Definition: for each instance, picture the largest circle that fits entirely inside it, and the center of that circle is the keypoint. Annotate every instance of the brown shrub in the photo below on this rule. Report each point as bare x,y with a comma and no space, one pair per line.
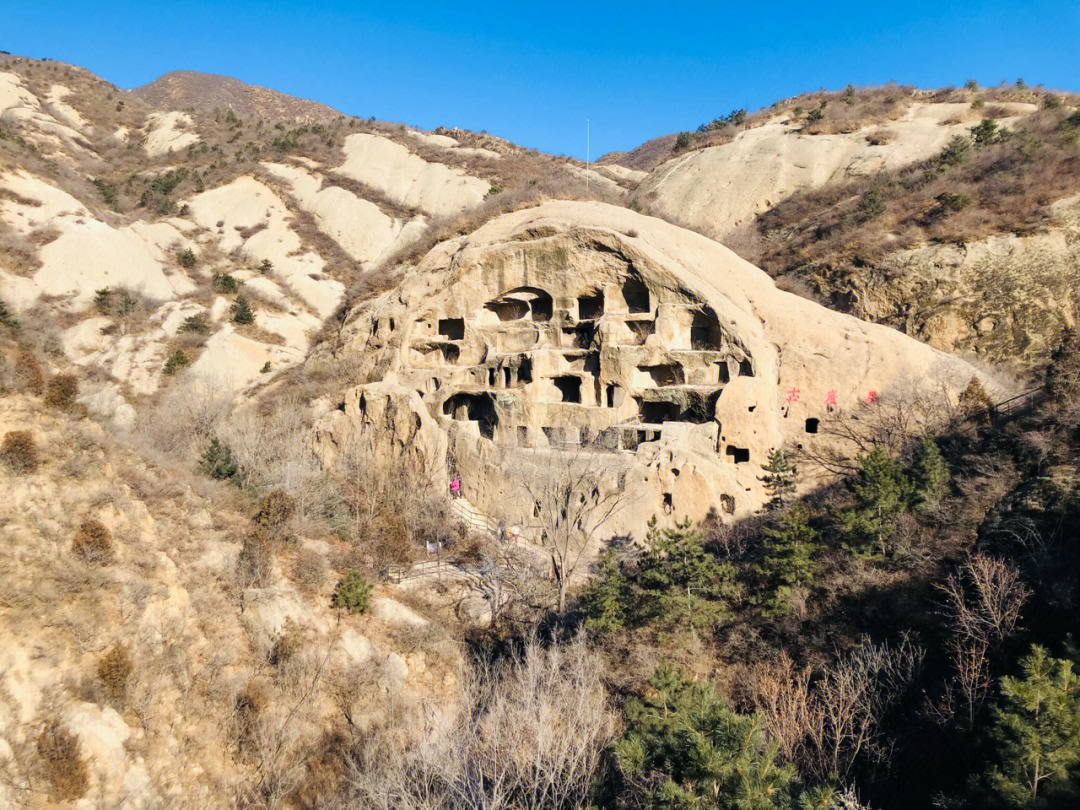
286,645
114,672
61,391
250,702
19,451
275,510
255,564
309,569
880,137
62,761
93,543
29,374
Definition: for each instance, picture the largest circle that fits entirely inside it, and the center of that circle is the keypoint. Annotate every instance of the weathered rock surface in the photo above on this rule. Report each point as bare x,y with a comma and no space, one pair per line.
583,324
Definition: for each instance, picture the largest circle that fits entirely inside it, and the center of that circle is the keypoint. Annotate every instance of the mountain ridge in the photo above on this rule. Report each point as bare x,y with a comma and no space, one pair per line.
190,89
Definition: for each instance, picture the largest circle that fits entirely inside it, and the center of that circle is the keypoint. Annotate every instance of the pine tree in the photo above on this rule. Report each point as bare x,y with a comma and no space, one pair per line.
787,565
930,474
683,585
606,598
780,478
974,401
695,753
1037,727
241,311
218,461
881,493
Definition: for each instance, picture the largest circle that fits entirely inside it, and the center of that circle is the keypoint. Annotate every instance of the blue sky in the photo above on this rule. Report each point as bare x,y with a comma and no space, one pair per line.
534,72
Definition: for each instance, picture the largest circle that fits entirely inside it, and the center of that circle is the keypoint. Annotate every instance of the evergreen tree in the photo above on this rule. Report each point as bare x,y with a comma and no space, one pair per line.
974,401
930,474
241,311
780,478
607,596
882,492
682,584
695,753
218,462
787,564
1037,728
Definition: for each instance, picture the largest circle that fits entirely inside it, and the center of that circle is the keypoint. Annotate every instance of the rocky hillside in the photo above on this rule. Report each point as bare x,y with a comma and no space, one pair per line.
190,90
307,422
160,239
900,206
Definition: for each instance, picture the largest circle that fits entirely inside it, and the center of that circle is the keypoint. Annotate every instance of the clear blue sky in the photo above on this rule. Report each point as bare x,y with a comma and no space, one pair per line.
533,72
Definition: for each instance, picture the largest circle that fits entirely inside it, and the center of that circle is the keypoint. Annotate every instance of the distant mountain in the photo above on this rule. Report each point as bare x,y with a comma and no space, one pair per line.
188,89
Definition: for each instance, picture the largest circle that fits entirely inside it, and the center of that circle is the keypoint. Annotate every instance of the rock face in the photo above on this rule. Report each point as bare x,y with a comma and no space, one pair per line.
582,325
1006,298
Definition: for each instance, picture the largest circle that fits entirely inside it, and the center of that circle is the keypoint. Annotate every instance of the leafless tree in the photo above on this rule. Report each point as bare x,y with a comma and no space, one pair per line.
982,604
528,733
889,422
574,494
824,721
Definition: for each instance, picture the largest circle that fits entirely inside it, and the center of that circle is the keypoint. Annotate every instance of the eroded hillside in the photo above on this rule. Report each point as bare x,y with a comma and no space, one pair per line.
900,206
213,238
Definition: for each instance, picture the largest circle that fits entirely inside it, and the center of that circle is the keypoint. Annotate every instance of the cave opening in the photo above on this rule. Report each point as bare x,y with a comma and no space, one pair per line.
636,295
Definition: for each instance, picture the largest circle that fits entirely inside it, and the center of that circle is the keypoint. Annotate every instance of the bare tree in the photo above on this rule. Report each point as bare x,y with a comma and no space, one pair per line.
982,604
887,422
824,721
574,496
528,733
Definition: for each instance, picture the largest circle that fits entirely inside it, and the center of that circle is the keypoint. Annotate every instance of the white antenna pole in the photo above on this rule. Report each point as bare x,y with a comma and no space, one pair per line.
588,133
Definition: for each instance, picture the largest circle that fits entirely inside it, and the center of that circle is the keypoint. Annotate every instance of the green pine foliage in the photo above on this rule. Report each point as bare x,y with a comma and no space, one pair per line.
241,311
881,492
353,593
224,282
218,462
177,360
930,475
607,599
197,324
677,585
186,258
780,477
1037,735
687,749
681,585
787,564
6,318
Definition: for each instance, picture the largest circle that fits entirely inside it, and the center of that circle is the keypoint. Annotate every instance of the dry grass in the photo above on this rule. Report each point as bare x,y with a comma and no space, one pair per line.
827,112
1010,186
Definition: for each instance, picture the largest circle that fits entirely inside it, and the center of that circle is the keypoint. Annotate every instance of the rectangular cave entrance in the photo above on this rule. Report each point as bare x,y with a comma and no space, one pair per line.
569,388
452,328
591,306
479,408
694,407
665,373
704,330
738,455
636,295
655,412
